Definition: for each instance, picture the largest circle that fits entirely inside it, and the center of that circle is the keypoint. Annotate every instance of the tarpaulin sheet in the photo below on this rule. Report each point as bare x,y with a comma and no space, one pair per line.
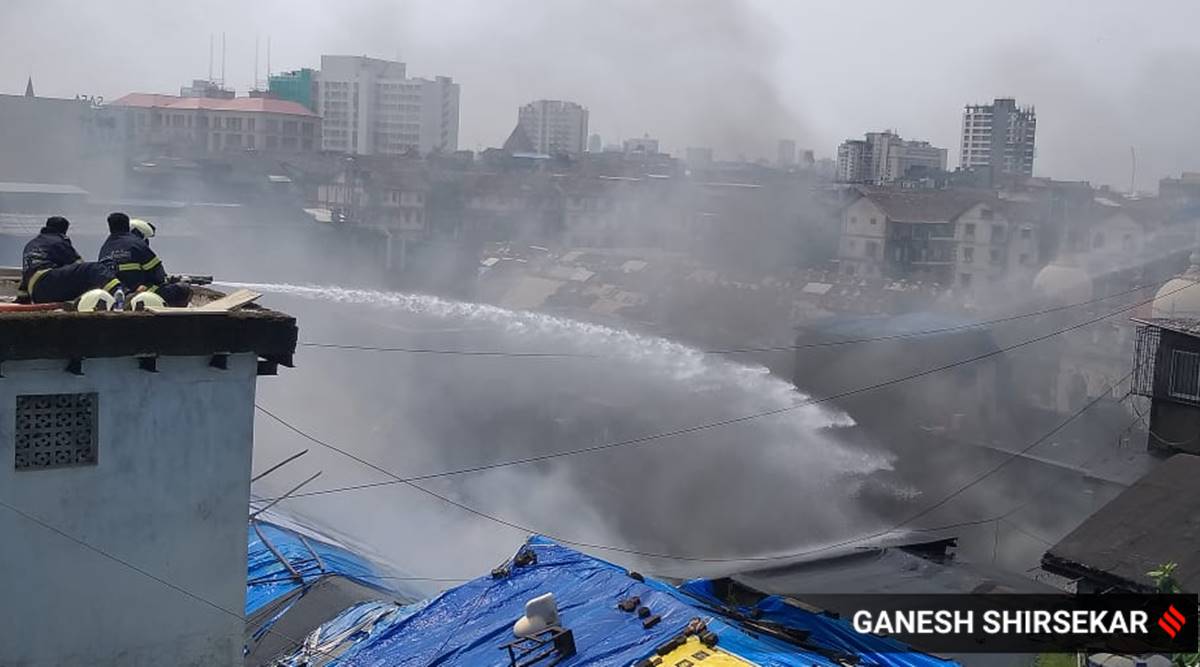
267,579
827,632
469,624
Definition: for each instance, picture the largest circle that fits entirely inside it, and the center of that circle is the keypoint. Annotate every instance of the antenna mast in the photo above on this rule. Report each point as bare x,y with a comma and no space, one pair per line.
222,60
1132,169
210,56
256,62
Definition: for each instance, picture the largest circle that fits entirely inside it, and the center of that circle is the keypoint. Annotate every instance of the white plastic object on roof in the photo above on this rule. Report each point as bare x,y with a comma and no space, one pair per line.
540,613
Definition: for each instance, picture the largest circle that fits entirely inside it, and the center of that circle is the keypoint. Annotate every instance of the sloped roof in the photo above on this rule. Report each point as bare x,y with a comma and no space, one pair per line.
471,623
1155,521
936,206
242,104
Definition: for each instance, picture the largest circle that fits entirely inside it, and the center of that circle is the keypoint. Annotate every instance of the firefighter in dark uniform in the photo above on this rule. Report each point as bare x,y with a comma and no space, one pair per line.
52,271
136,265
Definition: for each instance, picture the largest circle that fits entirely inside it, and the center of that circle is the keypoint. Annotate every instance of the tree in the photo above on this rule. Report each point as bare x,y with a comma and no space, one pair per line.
1164,582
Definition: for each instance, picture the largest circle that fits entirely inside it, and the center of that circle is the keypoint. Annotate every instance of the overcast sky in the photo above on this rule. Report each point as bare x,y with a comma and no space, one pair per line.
1104,75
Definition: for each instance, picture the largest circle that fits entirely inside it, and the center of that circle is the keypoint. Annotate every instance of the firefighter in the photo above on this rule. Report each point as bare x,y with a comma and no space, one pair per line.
52,271
128,254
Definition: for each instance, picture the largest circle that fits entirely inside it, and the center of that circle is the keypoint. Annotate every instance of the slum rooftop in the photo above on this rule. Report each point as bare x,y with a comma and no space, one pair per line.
61,334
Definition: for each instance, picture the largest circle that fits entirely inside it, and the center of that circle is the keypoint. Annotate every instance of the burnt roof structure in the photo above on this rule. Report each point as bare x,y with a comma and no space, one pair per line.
1155,521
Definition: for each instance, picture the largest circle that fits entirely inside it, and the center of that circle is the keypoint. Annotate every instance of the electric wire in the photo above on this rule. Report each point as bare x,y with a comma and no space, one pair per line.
143,572
695,428
745,559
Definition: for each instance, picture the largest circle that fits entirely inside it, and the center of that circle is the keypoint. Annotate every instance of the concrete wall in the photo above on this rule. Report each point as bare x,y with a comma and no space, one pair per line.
168,495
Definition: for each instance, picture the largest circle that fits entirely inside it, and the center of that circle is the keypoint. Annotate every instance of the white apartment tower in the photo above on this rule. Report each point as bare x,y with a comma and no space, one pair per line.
1000,136
883,158
555,126
369,106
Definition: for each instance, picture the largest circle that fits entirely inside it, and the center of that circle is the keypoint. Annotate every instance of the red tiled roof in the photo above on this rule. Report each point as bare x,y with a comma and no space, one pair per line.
243,104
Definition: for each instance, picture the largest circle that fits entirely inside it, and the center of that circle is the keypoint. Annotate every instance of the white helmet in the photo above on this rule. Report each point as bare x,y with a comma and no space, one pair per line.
142,228
145,301
94,300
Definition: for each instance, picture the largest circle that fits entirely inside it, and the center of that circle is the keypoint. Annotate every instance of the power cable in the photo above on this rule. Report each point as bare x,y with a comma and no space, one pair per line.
778,557
696,428
143,572
738,350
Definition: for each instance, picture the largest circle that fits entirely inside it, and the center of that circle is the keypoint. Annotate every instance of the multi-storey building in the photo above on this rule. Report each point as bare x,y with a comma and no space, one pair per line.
956,239
555,127
999,136
883,158
182,125
369,106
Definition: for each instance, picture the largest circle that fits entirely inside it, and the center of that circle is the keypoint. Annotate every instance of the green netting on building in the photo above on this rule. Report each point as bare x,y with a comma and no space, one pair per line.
297,86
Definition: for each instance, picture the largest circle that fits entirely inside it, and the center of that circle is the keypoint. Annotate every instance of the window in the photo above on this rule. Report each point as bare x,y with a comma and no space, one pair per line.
872,249
1185,375
1026,233
55,431
997,233
969,230
1023,260
994,256
964,279
873,221
986,213
853,220
1098,240
968,255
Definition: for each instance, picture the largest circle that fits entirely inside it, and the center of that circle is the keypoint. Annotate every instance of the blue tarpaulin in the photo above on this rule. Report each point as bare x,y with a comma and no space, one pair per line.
267,579
469,624
825,631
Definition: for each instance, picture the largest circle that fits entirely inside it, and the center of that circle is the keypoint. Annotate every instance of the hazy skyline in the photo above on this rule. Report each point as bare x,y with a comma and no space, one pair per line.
736,76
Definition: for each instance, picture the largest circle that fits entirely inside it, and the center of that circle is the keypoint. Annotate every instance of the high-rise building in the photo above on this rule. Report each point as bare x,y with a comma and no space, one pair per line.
369,106
999,136
787,153
595,144
299,86
555,127
883,157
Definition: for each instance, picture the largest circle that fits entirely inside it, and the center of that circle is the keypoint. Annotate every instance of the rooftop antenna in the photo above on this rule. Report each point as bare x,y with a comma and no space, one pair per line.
1132,169
256,62
222,60
268,61
210,56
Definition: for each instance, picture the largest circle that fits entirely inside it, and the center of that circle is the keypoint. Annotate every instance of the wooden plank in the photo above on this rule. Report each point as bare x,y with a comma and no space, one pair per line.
229,302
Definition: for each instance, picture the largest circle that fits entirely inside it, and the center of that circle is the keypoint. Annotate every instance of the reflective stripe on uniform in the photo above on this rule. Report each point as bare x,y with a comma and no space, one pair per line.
153,289
129,266
111,285
36,277
151,264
